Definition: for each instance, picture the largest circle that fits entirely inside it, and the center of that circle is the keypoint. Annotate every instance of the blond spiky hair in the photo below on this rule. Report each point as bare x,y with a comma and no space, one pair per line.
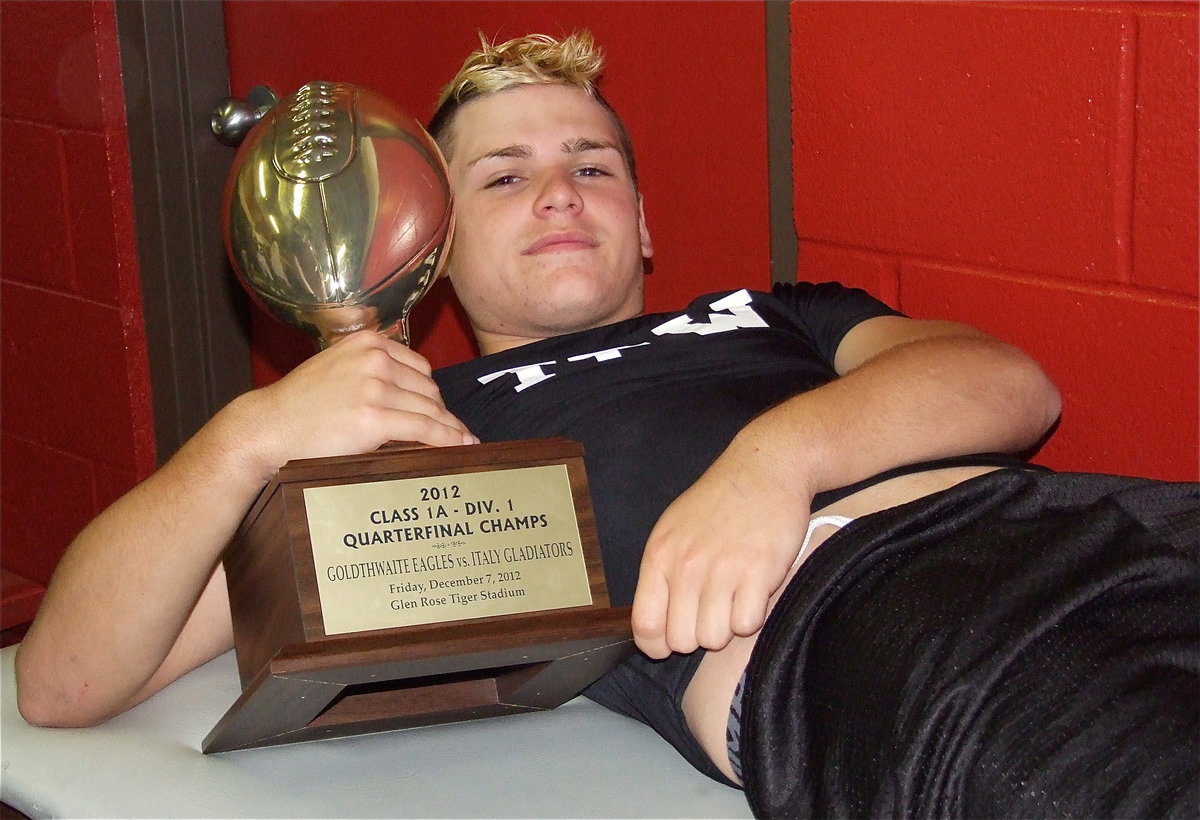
535,58
575,60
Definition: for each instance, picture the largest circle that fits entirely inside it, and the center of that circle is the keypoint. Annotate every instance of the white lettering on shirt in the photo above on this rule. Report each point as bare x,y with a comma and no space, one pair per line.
527,375
740,315
606,355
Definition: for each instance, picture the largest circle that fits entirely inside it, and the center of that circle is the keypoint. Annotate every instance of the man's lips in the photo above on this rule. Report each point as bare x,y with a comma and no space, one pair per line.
561,241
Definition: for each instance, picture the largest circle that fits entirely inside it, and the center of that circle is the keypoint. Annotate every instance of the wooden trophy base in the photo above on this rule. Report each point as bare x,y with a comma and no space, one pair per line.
439,675
523,547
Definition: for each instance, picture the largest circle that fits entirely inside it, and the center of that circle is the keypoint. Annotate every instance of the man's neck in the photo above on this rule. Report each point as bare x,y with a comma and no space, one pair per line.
494,342
498,342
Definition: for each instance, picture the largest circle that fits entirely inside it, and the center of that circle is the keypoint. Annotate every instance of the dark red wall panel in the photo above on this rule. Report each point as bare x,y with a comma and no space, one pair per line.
34,223
35,532
90,214
1165,229
62,406
50,69
76,424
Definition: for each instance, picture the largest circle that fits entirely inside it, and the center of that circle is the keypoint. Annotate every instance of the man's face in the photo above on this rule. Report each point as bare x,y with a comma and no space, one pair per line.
550,236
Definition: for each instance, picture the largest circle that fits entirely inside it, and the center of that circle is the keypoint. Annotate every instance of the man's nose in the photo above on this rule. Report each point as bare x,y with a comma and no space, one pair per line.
557,193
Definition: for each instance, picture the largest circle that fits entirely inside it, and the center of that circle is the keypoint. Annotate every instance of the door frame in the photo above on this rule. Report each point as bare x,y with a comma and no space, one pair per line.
174,69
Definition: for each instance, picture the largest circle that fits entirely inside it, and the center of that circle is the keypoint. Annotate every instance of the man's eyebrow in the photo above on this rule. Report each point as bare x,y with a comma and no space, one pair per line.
571,146
507,152
581,144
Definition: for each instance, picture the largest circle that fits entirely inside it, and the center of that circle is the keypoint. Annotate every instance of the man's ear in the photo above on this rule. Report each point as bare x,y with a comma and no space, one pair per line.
643,232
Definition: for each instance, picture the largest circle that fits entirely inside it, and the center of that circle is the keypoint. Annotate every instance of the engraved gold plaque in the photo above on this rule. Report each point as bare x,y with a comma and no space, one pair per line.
431,550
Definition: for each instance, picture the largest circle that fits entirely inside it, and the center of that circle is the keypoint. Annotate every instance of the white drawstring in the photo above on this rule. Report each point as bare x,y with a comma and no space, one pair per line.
838,521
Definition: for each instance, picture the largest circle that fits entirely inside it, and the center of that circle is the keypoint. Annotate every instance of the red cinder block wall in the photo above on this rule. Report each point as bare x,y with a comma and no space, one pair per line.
1030,169
76,429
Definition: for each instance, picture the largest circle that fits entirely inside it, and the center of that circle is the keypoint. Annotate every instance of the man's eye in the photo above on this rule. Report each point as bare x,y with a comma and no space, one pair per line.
502,181
592,171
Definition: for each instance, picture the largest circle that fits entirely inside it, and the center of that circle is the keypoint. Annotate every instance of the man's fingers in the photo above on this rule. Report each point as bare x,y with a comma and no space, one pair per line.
432,431
405,355
397,383
363,391
683,607
676,612
682,611
712,625
649,616
748,611
409,403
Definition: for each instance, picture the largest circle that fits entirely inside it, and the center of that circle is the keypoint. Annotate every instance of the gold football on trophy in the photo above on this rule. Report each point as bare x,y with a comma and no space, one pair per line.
337,212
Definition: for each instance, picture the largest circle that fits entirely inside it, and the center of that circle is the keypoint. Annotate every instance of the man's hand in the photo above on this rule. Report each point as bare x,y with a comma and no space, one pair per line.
717,555
360,393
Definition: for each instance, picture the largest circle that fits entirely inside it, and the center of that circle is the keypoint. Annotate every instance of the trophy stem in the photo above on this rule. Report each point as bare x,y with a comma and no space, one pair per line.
326,334
398,331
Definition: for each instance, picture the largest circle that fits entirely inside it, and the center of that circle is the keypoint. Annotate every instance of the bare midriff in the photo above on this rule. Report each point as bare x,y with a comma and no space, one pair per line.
709,695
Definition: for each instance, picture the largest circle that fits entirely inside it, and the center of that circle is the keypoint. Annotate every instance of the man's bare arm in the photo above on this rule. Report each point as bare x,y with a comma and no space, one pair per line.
138,599
910,391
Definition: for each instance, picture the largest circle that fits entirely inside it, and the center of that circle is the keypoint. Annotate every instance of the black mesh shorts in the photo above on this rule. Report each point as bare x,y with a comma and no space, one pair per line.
1021,645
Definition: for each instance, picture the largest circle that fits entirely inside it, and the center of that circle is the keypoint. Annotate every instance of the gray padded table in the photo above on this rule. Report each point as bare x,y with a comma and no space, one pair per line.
579,760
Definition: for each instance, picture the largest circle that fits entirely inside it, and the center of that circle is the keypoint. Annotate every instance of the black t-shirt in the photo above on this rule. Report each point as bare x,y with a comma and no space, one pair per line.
656,399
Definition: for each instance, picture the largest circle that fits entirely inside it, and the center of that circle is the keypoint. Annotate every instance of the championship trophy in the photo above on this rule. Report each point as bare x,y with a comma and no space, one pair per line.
412,585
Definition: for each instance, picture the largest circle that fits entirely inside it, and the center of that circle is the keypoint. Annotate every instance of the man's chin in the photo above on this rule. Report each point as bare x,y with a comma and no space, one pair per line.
568,311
